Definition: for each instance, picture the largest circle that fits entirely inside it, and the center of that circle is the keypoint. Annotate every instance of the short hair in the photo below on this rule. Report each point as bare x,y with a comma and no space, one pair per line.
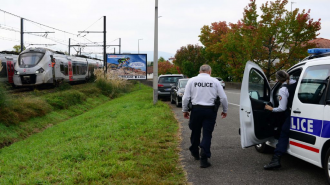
282,76
205,68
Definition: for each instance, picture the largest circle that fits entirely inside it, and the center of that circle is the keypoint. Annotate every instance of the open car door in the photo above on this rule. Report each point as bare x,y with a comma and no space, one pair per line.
255,121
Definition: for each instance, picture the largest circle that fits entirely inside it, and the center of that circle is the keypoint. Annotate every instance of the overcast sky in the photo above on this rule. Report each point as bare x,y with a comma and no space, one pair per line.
130,20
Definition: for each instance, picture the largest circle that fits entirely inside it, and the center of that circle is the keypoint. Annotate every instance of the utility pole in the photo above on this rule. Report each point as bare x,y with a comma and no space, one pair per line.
155,67
69,45
22,34
291,5
105,44
119,45
22,37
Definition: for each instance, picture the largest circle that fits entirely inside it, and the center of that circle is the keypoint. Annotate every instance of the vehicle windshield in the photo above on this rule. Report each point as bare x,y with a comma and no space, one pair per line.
183,83
169,79
27,60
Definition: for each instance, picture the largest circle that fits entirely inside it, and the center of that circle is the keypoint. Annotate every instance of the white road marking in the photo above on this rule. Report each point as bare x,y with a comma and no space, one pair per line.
232,92
233,104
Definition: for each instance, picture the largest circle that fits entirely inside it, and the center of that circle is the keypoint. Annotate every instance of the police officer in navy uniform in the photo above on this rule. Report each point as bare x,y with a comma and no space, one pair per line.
202,90
285,97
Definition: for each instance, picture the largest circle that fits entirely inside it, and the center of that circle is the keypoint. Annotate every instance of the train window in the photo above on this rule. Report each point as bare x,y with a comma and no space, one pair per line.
74,68
64,69
27,60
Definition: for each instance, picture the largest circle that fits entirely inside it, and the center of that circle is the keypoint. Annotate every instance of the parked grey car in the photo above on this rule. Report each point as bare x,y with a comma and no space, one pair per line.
178,91
165,82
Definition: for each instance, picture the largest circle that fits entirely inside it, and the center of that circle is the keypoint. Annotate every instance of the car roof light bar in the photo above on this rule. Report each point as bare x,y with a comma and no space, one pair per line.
318,50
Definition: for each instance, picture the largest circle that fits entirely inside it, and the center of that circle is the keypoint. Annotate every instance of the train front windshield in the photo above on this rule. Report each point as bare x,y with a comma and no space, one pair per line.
27,60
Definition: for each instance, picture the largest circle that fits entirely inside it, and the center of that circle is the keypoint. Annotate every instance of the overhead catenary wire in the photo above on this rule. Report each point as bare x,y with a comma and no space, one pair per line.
46,36
89,26
37,22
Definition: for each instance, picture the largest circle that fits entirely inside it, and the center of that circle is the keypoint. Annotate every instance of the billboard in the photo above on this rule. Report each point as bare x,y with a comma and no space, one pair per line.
128,66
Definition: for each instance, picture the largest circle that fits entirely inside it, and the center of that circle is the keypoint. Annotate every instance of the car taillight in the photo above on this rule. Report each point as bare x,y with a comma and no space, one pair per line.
160,85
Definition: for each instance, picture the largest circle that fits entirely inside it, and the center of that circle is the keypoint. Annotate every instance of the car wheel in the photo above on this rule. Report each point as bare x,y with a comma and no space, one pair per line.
264,148
172,100
326,165
177,102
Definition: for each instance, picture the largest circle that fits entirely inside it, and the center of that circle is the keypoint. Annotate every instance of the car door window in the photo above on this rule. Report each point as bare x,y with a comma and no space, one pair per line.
313,84
256,85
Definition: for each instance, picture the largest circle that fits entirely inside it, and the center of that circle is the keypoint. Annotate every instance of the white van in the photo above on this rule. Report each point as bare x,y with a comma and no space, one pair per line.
310,113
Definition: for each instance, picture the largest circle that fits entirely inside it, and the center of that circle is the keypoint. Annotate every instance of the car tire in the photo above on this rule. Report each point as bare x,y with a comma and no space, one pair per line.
264,148
326,165
172,101
177,102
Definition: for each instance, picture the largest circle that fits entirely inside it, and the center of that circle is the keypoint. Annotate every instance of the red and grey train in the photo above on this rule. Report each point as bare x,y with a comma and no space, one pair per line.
34,67
8,60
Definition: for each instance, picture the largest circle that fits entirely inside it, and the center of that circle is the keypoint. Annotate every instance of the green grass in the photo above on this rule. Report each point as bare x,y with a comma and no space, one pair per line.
125,141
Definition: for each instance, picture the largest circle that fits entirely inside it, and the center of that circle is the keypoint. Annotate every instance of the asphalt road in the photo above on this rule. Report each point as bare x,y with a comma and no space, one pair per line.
233,165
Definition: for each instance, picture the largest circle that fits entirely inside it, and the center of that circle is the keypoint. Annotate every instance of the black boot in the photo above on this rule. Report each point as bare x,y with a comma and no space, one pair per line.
204,161
274,163
195,154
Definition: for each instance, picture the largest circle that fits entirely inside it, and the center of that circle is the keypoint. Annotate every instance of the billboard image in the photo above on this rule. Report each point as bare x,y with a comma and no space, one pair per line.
128,66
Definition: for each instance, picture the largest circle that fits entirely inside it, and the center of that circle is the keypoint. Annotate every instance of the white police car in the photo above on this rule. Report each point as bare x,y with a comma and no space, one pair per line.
310,113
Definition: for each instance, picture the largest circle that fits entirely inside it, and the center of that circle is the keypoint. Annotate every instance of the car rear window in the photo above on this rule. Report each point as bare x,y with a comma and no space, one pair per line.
169,79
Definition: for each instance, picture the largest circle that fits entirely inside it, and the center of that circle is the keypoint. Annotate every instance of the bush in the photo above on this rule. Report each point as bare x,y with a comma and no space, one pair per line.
64,86
65,99
105,87
111,84
3,96
23,109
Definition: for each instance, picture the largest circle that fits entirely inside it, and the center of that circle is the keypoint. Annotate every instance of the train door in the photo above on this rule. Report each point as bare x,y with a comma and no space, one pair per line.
70,71
10,70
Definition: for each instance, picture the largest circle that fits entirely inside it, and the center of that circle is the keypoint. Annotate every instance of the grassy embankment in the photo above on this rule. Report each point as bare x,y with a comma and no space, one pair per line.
124,141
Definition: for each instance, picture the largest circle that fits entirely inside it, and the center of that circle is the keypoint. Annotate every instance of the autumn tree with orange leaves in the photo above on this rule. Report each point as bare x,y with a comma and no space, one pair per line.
275,40
211,37
165,67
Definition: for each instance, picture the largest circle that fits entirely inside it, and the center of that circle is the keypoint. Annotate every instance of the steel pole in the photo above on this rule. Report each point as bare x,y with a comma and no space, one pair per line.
69,45
105,45
155,67
22,37
119,45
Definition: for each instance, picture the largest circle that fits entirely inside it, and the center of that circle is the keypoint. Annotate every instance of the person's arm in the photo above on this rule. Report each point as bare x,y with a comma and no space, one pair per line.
283,95
223,98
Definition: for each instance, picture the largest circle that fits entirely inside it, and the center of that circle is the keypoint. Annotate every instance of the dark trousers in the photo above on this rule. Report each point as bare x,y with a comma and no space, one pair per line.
283,140
202,118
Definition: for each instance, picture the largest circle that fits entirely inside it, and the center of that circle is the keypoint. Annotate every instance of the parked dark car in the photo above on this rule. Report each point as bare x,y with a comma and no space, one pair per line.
165,82
178,91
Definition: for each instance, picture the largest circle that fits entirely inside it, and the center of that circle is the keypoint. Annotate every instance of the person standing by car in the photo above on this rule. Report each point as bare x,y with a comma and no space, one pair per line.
202,91
285,97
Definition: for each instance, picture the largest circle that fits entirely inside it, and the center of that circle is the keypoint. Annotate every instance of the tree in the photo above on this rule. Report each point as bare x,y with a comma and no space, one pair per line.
280,38
161,59
189,58
276,40
1,66
211,38
167,68
17,48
